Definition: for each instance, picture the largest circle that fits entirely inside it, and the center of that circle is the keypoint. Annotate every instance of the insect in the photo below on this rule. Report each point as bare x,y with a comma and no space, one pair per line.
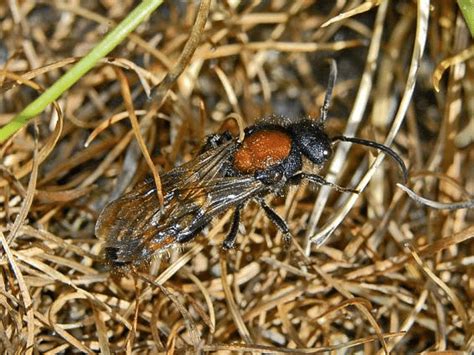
225,175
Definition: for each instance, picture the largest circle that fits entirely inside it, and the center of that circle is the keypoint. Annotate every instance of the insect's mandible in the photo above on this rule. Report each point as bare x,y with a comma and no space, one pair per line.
226,175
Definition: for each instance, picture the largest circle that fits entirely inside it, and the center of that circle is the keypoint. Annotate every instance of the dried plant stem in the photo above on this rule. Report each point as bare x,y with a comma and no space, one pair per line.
27,301
436,204
237,317
353,123
420,41
396,274
136,129
161,89
115,37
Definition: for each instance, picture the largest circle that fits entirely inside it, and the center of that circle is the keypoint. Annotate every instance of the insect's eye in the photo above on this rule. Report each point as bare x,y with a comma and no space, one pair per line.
321,150
312,141
316,147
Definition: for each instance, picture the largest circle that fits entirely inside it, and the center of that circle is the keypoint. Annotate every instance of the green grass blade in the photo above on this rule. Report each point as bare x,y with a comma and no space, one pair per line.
113,38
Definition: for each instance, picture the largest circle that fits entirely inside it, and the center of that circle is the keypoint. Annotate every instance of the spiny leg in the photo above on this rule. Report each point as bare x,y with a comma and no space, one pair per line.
321,181
276,220
229,240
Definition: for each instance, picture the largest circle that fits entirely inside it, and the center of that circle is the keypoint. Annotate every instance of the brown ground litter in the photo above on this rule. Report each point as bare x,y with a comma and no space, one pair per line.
381,273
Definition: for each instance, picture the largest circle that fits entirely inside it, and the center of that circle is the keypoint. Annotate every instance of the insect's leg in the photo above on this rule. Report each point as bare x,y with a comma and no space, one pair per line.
277,220
188,233
229,240
321,181
215,140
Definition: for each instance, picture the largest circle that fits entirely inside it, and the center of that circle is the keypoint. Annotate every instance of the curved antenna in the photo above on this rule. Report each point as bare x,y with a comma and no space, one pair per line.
379,146
328,96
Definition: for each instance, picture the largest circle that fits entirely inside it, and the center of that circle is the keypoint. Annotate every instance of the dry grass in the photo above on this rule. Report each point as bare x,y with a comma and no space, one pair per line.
392,275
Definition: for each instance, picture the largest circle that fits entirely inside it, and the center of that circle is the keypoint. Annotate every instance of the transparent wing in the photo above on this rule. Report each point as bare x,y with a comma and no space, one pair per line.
194,193
211,198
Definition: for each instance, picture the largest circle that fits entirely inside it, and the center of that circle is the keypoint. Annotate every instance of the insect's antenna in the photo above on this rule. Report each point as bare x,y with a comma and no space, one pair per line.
328,96
382,147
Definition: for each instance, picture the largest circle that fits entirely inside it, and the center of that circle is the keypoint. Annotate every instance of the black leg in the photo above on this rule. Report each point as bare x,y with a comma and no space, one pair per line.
320,181
229,240
277,220
215,140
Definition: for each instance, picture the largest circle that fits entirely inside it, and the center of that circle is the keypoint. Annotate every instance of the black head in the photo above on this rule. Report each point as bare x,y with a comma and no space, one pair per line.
309,135
315,144
311,140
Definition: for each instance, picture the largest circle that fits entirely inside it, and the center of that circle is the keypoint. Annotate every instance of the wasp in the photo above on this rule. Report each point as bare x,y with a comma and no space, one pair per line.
226,175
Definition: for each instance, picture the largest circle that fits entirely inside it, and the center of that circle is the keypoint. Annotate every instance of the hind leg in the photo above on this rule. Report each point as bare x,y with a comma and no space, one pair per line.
277,221
229,241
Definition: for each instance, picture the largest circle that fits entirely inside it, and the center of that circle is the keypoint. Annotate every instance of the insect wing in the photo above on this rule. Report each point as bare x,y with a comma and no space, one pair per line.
202,168
136,213
216,196
129,213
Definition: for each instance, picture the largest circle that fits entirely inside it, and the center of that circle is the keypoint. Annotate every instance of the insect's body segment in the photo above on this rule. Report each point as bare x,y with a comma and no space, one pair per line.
225,175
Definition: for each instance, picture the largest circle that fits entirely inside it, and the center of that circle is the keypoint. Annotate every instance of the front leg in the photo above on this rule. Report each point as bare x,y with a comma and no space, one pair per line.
321,181
276,220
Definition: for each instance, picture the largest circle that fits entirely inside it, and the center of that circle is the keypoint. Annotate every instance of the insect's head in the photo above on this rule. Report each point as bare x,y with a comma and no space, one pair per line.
322,143
312,141
309,135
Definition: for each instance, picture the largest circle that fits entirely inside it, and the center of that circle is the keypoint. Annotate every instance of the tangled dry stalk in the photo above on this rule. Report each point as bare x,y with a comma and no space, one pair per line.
374,272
